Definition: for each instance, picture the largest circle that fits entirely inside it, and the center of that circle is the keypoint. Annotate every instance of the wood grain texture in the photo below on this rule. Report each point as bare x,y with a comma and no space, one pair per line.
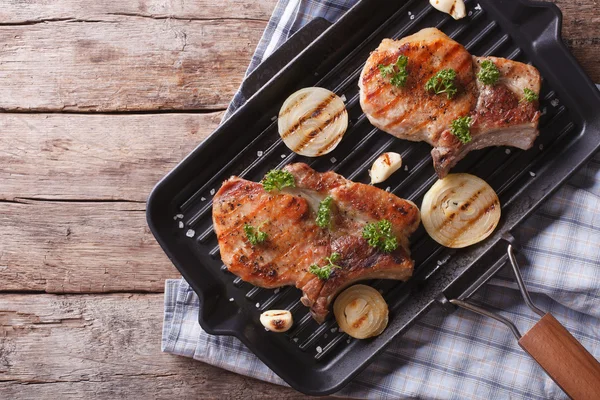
104,346
66,247
124,63
567,362
94,157
32,11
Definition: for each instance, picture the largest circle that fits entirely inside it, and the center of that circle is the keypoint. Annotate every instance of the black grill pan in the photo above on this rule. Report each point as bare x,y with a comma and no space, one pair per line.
318,359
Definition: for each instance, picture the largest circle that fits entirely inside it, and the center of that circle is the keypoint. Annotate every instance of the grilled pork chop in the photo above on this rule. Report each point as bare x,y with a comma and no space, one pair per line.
295,242
500,117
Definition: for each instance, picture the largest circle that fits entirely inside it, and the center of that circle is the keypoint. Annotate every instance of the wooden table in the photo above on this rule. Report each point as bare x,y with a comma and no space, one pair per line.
100,99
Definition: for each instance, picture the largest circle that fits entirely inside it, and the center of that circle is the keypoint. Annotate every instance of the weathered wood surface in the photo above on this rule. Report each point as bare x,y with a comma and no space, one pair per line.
61,247
72,187
104,346
94,157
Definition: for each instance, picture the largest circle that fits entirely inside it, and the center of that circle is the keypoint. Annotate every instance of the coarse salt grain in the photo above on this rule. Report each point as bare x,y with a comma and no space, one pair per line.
555,102
531,173
478,7
541,147
257,305
202,198
388,189
295,339
507,151
190,233
348,341
343,97
276,291
470,13
231,299
259,153
333,160
212,192
319,349
179,216
412,17
273,118
180,224
409,13
333,330
283,156
406,167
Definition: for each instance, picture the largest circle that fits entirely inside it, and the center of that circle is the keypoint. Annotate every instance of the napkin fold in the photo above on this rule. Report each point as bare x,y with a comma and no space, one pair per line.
462,355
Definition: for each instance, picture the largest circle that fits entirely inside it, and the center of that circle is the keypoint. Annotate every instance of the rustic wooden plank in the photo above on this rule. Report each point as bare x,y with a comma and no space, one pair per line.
94,157
104,346
124,63
19,12
78,247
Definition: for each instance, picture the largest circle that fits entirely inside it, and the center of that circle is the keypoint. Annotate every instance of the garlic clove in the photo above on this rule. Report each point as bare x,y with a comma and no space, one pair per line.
277,320
385,165
456,8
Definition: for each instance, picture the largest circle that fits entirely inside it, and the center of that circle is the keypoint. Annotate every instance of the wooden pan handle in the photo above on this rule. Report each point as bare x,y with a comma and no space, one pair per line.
567,362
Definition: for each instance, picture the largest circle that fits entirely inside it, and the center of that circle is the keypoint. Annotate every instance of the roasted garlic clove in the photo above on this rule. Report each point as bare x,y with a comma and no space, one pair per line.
385,165
456,8
277,320
361,312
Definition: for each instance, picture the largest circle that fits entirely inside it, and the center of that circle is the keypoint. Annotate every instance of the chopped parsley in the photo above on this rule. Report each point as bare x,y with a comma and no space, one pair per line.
397,72
379,235
488,73
530,95
254,235
277,179
461,128
324,214
325,271
443,82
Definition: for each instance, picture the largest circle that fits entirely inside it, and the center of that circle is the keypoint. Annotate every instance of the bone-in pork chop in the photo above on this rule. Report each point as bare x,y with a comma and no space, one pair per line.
499,114
295,242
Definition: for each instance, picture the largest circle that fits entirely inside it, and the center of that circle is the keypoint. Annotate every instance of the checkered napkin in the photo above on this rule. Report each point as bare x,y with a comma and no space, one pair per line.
454,356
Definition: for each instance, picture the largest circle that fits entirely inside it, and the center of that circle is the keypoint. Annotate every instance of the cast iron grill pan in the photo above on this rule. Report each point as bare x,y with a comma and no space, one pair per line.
318,359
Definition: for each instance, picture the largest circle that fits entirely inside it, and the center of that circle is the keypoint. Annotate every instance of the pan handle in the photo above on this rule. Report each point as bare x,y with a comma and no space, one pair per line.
549,343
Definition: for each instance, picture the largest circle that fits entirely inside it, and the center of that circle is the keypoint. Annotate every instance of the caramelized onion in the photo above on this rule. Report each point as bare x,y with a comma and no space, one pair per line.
460,210
361,312
312,121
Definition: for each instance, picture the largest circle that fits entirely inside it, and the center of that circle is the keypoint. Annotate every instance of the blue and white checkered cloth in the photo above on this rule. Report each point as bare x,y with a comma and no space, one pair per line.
461,355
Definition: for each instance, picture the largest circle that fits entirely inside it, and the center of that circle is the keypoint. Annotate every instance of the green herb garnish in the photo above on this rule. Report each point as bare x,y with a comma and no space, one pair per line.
380,235
325,271
530,95
254,235
324,214
443,82
277,179
461,128
488,73
397,71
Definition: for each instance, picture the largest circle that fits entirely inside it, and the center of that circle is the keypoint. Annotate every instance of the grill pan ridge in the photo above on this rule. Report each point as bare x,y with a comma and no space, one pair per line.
319,359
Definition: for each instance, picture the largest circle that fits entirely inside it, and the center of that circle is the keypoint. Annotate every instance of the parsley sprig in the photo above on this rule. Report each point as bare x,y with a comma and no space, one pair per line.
461,128
324,213
254,235
397,72
325,271
379,235
488,73
443,82
530,95
277,179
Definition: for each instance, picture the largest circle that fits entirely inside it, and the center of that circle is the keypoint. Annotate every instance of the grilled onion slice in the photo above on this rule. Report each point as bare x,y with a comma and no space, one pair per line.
312,121
460,210
361,312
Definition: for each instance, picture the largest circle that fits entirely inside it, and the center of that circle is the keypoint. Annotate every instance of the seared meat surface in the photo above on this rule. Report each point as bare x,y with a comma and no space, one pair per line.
295,242
500,117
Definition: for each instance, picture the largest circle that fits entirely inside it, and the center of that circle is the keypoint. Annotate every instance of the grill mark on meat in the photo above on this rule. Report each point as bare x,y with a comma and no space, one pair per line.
312,134
314,113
